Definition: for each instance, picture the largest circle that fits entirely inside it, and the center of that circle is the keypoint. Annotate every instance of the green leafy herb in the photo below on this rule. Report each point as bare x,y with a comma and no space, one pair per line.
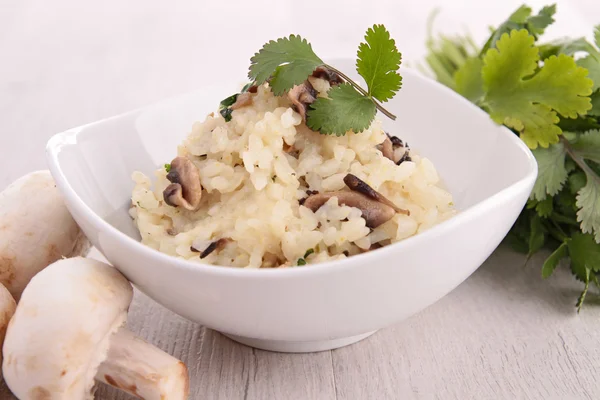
377,62
525,104
301,261
468,80
288,61
168,168
522,19
345,109
308,252
551,171
228,101
537,236
224,106
552,101
545,207
588,202
552,261
226,113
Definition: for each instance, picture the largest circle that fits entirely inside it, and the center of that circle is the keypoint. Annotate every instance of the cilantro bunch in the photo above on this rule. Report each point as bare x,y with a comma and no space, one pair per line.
289,61
549,95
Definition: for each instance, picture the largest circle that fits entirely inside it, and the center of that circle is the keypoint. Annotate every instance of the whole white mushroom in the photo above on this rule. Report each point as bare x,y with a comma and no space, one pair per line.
36,229
7,309
67,330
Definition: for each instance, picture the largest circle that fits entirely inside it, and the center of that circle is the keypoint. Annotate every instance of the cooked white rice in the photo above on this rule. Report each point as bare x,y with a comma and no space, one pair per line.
252,189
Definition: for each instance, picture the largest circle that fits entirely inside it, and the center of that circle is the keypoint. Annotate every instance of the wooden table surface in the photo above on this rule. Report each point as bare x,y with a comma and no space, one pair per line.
503,334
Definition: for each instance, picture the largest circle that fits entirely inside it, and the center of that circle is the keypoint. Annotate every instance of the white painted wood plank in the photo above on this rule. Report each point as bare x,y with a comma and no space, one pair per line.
503,334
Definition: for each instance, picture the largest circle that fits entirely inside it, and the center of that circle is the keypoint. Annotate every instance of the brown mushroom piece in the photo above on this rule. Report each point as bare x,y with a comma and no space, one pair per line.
270,260
391,149
185,189
374,212
243,100
301,97
358,185
330,76
217,245
387,149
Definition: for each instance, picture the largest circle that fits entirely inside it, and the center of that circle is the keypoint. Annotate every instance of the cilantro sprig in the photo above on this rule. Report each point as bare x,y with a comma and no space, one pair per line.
288,61
549,95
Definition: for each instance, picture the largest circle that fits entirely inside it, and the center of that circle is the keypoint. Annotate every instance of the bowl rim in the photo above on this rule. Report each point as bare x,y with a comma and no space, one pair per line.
59,140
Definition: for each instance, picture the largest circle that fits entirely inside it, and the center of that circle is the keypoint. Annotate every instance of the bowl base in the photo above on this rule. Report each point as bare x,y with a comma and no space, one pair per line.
283,346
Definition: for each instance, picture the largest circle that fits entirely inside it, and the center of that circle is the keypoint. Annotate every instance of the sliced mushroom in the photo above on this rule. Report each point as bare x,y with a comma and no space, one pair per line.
394,149
243,100
217,245
291,150
358,185
185,189
387,149
325,73
374,212
270,260
301,97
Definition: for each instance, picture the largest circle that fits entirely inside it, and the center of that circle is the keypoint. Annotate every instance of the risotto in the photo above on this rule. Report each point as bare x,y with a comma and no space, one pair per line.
252,186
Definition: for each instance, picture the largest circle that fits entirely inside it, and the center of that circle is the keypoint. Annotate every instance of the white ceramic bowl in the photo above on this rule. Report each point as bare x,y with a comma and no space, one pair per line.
487,168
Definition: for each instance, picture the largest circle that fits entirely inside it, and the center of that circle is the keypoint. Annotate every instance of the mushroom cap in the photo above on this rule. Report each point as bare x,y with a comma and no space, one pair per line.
7,309
185,189
374,212
60,332
36,229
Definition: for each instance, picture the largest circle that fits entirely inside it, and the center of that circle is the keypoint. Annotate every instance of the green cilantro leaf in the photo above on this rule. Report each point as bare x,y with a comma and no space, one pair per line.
588,202
584,253
377,62
168,168
577,181
595,104
301,261
468,81
597,35
537,236
587,146
345,109
530,105
552,261
581,124
518,237
593,66
538,23
292,58
545,207
520,15
568,47
551,171
522,19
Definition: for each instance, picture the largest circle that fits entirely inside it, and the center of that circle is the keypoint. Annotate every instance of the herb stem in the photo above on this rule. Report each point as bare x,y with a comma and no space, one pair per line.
579,160
558,217
362,91
555,233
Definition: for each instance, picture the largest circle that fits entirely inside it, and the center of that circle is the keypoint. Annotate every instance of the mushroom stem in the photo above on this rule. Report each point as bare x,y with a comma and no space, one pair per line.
143,370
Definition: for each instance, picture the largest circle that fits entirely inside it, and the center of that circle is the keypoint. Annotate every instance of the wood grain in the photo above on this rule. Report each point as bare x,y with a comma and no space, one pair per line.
503,334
